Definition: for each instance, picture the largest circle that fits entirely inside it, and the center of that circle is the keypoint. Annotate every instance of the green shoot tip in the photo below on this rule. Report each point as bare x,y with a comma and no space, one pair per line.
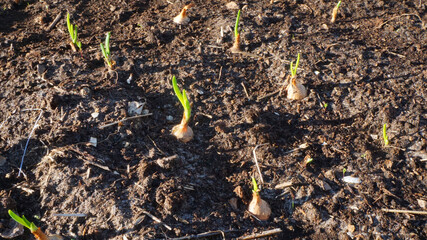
236,27
255,186
385,137
294,70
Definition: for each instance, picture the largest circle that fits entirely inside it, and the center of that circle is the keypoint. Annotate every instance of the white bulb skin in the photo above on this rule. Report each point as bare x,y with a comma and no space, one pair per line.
259,207
296,91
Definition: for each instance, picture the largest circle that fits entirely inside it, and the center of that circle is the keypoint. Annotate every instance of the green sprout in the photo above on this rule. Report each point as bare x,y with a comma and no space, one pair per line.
335,12
294,70
23,221
255,186
106,50
236,27
385,137
344,170
72,29
338,4
309,160
182,97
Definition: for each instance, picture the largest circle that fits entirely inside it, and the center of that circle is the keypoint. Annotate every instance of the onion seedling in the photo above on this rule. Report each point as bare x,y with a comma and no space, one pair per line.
258,206
72,29
385,137
106,51
30,225
236,46
182,18
296,91
335,12
182,131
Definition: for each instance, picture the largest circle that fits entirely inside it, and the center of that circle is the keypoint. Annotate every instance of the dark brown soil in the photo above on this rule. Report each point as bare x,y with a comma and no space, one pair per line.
367,69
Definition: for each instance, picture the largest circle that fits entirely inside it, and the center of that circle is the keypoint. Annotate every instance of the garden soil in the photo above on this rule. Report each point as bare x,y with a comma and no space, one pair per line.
100,144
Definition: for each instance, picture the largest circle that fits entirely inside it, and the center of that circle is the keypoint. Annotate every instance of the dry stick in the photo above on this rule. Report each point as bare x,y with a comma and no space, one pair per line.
28,140
55,21
124,119
246,91
89,161
156,219
263,234
70,214
404,211
256,162
220,72
406,14
204,235
268,95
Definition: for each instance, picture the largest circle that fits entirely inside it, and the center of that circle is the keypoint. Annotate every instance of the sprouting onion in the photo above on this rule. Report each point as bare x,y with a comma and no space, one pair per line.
296,91
258,207
72,30
236,45
182,131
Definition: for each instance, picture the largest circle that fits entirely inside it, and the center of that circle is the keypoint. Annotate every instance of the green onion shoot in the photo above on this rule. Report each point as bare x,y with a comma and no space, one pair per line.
38,234
385,137
72,29
106,51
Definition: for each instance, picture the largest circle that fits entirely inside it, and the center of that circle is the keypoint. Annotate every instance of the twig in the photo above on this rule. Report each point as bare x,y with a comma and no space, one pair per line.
302,146
404,211
256,162
55,21
70,214
156,219
263,234
154,143
204,235
268,95
220,72
90,160
28,140
406,14
213,46
246,91
124,119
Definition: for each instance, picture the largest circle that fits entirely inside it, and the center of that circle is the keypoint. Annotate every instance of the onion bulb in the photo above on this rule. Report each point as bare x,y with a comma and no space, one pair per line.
182,18
296,91
259,207
236,45
183,132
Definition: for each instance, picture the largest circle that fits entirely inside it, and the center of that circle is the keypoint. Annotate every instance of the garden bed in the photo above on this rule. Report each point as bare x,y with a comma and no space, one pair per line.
365,70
